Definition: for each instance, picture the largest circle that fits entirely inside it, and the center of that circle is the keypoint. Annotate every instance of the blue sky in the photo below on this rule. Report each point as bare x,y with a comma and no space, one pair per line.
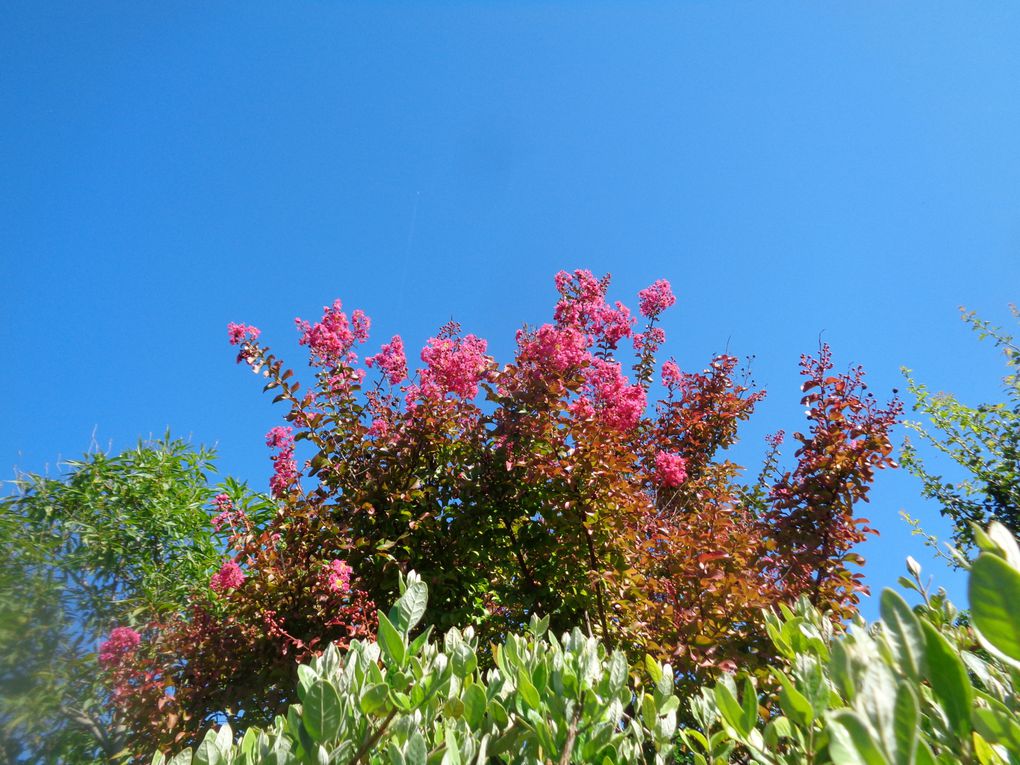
849,170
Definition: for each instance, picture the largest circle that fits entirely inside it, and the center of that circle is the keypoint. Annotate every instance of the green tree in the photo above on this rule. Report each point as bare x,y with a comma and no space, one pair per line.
984,440
116,541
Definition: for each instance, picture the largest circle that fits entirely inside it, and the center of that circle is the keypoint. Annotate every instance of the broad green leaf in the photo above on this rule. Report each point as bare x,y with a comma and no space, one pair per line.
731,709
373,699
862,742
905,724
208,752
391,642
474,705
750,705
617,672
652,668
416,753
527,690
949,681
321,711
905,633
411,606
452,755
994,592
1005,541
998,728
793,702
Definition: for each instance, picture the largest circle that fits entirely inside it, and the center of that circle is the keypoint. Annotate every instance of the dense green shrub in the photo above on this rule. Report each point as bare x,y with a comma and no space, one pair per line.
413,702
920,686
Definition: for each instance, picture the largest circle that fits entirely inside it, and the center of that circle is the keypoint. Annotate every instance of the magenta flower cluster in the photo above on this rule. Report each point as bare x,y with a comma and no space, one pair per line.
121,642
331,339
229,577
242,333
671,469
619,403
655,299
582,305
391,361
552,349
453,365
338,576
225,512
285,471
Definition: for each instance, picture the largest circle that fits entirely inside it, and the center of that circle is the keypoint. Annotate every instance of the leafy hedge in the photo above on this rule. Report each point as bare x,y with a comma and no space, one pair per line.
921,686
414,702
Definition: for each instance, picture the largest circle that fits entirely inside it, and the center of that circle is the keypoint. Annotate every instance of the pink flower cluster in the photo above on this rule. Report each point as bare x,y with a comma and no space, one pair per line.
229,577
619,404
776,439
331,339
582,305
454,365
121,642
655,299
672,377
671,469
649,342
338,576
242,333
284,467
391,360
226,512
551,348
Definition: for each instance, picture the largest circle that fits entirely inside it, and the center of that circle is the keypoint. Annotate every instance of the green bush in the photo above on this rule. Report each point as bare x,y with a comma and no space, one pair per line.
411,702
920,686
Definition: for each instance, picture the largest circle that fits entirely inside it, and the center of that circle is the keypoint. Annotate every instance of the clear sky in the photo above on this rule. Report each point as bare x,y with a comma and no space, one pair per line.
849,170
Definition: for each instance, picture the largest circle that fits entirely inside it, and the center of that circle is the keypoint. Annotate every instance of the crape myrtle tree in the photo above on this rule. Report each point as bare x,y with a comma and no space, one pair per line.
983,440
548,485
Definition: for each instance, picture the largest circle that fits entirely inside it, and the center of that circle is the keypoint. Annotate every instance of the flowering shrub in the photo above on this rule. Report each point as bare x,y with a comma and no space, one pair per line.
560,492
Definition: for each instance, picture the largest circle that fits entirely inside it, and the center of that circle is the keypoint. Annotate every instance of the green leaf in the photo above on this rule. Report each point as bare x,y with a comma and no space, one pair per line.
373,699
794,703
391,642
731,709
858,742
452,755
998,728
994,591
208,752
416,753
750,705
321,711
906,714
949,680
617,673
474,705
652,668
411,606
527,690
905,633
463,660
